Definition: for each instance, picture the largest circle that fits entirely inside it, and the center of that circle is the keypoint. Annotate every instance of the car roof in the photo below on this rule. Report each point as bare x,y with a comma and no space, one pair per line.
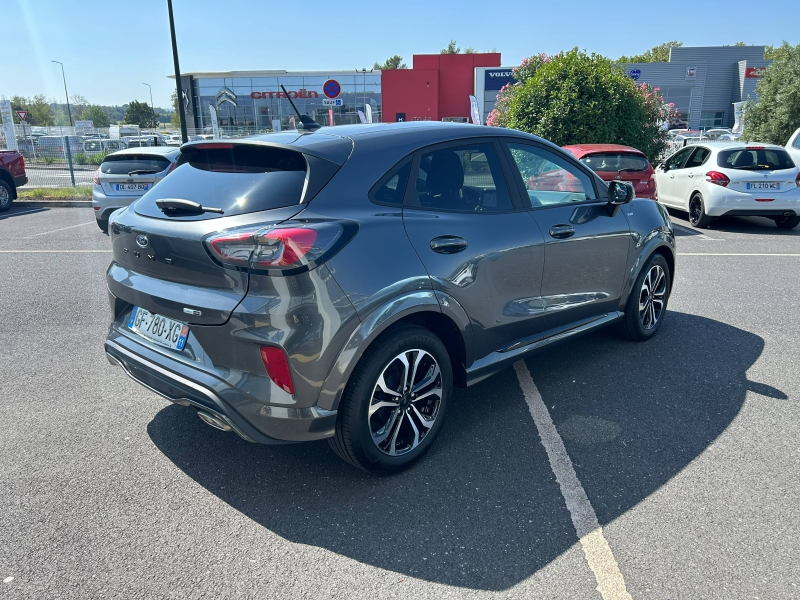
336,143
580,150
736,145
165,150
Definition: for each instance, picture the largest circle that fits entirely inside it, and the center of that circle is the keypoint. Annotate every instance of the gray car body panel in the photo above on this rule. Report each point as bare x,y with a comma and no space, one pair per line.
327,317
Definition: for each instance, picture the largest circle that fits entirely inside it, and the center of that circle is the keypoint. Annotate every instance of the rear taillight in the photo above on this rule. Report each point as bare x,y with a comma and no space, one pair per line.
96,178
797,179
717,178
277,365
22,162
292,247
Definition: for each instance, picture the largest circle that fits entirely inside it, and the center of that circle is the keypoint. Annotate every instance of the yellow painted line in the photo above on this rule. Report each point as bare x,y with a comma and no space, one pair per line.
731,254
596,550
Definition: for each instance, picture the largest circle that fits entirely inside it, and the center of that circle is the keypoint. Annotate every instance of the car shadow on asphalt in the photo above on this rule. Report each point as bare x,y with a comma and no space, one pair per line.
20,211
483,510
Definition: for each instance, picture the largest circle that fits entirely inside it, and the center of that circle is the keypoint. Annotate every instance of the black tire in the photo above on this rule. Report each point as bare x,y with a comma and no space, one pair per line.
787,222
103,225
636,324
697,213
354,440
6,195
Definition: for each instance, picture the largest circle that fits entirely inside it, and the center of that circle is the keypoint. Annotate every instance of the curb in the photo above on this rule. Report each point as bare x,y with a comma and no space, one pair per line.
53,203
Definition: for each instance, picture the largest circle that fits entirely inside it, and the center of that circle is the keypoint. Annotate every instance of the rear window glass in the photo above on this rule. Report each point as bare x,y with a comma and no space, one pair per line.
615,162
122,164
744,159
236,178
391,188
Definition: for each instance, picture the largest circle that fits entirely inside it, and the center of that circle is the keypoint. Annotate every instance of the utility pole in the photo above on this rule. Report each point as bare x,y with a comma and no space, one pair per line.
153,108
181,108
64,77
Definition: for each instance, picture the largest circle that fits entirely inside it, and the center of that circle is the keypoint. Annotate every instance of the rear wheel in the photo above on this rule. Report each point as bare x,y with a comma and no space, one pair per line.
787,222
6,196
103,225
395,401
697,213
647,303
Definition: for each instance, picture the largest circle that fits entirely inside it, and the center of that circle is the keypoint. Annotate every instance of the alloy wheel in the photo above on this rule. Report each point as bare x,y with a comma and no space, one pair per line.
652,297
405,402
695,210
5,198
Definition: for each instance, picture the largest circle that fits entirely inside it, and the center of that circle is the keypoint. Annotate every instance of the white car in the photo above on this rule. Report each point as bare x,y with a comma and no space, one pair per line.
174,140
731,178
793,147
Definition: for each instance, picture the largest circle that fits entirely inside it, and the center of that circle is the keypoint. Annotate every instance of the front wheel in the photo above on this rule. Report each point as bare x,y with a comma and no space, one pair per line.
395,401
647,303
697,213
787,222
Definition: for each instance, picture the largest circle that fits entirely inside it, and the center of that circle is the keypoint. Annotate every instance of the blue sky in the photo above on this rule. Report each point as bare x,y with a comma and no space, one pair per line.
110,47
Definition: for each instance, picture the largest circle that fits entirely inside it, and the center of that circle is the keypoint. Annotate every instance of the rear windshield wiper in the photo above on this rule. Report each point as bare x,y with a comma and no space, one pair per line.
629,170
754,168
175,206
143,172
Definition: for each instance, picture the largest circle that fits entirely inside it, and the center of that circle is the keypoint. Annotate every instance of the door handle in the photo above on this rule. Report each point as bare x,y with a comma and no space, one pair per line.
448,244
562,231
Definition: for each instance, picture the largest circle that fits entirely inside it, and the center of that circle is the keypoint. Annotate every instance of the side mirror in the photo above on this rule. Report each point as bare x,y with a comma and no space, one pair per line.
664,167
619,193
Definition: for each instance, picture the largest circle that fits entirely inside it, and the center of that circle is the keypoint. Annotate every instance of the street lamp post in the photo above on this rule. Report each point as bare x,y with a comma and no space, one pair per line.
153,108
64,77
181,111
364,72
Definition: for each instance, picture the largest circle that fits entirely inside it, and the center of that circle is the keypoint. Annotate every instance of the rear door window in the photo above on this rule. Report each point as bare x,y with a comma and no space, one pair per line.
615,162
123,164
755,159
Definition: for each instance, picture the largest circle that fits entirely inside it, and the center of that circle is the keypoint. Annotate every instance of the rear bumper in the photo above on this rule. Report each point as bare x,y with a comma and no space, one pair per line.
188,386
105,205
722,201
20,181
772,213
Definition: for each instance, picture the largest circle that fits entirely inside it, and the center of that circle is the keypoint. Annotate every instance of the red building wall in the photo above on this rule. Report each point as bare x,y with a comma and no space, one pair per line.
438,86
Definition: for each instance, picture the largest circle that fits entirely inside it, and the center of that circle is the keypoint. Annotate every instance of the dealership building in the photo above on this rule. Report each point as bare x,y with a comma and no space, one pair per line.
702,82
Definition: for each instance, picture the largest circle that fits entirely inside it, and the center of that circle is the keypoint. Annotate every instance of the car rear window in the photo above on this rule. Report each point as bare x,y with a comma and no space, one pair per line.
755,159
615,162
237,178
122,164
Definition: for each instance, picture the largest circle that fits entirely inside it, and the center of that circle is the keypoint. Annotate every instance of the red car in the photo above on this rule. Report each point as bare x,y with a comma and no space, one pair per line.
12,176
612,161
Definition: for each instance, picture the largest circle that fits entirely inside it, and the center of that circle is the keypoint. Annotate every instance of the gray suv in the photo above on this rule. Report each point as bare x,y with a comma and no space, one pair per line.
338,283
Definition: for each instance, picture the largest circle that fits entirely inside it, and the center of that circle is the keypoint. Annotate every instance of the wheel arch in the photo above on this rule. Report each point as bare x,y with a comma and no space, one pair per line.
420,308
5,175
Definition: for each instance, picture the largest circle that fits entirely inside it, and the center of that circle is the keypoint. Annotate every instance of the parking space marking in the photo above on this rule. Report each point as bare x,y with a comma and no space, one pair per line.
610,582
62,229
732,254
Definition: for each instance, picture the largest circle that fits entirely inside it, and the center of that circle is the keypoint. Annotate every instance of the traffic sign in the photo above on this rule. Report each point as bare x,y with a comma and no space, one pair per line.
332,102
635,74
331,88
22,114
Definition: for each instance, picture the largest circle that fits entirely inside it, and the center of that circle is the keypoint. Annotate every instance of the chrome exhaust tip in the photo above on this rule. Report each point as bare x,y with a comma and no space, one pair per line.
215,422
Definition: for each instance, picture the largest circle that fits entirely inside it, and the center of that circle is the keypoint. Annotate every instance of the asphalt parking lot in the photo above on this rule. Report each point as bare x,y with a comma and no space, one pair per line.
685,448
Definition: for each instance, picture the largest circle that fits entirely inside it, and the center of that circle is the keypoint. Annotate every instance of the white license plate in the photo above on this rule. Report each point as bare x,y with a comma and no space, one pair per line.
160,330
131,187
763,186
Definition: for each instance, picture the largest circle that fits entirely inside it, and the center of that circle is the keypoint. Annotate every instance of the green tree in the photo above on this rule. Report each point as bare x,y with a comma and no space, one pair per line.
175,117
578,98
776,114
140,113
393,62
452,48
96,115
470,50
773,53
658,53
39,112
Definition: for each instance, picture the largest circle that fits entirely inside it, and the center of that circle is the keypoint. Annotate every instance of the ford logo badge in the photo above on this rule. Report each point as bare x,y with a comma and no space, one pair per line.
141,241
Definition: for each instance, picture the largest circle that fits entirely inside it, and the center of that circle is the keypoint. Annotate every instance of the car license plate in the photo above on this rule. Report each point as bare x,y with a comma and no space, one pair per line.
763,186
160,330
131,187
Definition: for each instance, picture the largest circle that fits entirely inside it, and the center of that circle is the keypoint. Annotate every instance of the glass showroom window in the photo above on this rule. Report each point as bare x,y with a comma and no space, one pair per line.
710,119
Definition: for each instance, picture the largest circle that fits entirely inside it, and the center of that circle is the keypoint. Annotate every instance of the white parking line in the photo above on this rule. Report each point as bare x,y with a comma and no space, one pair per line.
49,251
731,254
62,229
610,582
